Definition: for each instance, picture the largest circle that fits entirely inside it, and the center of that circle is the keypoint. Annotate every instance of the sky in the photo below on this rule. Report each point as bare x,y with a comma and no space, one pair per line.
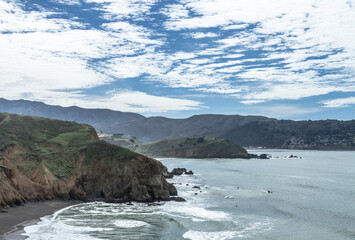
176,58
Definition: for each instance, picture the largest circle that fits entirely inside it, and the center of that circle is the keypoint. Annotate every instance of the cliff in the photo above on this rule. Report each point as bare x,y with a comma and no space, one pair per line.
44,159
201,147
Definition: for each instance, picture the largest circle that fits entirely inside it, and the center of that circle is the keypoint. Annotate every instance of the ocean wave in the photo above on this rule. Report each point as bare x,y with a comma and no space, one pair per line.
224,235
124,223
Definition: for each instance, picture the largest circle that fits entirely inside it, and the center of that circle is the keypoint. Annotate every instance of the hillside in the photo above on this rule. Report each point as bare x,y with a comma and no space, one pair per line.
145,129
321,135
201,147
246,131
46,159
129,142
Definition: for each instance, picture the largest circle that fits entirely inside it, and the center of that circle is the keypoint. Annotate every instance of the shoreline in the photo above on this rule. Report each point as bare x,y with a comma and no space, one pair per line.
14,219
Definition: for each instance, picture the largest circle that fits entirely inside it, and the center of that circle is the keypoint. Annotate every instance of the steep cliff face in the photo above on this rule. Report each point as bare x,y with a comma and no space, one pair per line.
44,159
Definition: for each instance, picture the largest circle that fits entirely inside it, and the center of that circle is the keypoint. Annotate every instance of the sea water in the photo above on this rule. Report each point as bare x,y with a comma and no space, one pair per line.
311,197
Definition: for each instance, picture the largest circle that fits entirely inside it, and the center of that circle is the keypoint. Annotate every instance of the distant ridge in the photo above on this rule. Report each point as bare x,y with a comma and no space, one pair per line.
247,131
146,129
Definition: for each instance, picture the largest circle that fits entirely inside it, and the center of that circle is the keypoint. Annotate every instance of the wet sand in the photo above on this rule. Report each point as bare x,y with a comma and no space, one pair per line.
13,220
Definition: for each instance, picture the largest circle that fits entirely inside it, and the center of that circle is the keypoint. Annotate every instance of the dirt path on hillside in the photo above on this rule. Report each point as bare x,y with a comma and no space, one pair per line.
7,117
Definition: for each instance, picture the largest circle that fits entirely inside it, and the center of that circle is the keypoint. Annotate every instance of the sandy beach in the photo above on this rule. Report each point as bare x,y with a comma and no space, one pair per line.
12,220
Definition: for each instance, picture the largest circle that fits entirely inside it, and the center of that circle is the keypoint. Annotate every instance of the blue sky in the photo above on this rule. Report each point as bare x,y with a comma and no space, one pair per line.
278,58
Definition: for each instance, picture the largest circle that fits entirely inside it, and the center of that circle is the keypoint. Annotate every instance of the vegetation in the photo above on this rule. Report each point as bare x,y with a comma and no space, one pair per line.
53,143
326,134
46,159
122,140
201,147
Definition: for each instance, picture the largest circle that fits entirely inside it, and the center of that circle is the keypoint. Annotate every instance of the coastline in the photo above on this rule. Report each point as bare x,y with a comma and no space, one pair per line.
13,220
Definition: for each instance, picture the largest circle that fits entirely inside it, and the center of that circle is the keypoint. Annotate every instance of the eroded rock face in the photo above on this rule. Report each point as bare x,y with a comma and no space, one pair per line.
138,178
45,159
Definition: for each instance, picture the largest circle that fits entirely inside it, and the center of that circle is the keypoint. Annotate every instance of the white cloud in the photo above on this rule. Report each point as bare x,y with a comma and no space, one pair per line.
14,19
175,11
305,37
200,35
258,50
283,111
122,9
68,2
339,102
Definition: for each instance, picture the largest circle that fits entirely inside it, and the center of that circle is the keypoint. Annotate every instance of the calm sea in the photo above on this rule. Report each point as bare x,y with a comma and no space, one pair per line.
312,197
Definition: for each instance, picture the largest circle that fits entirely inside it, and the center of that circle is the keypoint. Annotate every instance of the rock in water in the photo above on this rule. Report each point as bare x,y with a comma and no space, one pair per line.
177,199
178,171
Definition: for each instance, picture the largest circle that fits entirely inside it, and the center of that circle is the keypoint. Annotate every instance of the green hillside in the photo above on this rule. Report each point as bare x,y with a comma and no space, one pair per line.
322,135
52,143
193,147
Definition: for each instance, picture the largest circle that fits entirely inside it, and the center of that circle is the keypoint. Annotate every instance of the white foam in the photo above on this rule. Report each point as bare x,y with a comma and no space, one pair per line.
224,235
124,223
201,213
47,229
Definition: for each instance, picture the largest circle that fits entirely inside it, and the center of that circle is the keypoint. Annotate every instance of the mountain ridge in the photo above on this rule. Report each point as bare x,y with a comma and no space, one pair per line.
147,129
271,133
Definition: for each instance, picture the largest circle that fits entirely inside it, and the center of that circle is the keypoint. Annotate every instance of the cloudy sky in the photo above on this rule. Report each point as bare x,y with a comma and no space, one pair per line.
280,58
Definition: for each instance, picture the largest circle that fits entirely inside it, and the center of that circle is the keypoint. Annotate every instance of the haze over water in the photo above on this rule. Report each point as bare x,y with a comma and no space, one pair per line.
312,198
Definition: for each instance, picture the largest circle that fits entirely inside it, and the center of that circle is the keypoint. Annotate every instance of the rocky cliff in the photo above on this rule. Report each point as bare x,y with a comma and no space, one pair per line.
45,159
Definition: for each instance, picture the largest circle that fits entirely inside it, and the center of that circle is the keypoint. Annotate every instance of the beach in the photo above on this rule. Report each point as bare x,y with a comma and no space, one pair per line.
12,220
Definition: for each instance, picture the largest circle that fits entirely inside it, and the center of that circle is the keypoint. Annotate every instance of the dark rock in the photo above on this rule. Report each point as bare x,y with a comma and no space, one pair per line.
189,172
197,187
177,199
117,200
166,173
196,194
264,156
154,204
250,155
178,171
172,190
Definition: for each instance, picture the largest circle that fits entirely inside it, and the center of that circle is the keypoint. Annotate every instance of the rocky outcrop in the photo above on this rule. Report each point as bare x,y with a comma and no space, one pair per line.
180,171
138,178
74,165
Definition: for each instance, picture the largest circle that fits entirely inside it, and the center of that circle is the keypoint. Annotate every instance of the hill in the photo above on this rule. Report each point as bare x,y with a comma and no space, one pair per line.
126,141
145,129
246,131
45,159
201,147
320,135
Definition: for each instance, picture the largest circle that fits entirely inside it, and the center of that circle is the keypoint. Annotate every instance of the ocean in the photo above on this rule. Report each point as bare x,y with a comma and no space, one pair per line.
311,197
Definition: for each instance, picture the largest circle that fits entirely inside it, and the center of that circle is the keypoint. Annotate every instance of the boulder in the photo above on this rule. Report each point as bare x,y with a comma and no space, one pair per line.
189,172
177,199
178,171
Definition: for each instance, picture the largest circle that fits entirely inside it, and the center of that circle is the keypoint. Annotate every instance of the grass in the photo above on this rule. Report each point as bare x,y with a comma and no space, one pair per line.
73,138
104,150
55,144
202,145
